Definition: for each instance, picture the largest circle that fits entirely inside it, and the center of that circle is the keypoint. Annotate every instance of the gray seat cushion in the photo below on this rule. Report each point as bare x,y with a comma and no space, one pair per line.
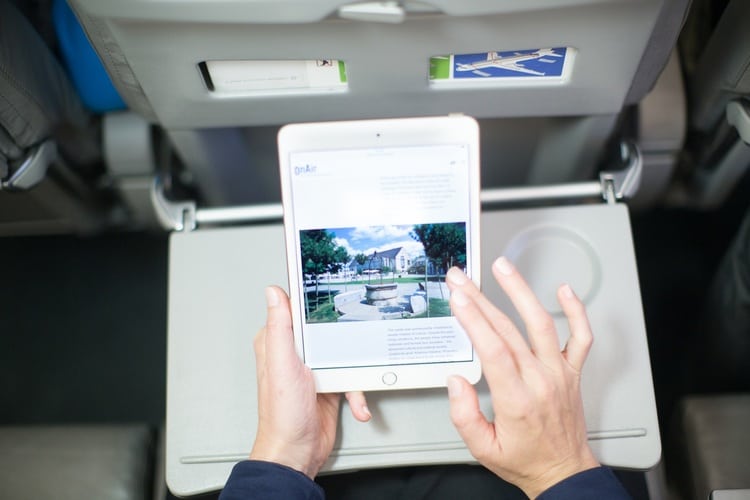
35,94
75,462
37,100
717,441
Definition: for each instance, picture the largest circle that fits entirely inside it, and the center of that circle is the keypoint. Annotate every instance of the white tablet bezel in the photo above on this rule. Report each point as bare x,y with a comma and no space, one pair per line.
306,137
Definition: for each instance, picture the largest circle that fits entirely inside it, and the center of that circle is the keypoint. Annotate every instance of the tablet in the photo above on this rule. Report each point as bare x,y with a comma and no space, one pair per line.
375,213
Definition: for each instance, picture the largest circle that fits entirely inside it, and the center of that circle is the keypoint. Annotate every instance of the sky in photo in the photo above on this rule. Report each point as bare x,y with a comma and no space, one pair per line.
366,240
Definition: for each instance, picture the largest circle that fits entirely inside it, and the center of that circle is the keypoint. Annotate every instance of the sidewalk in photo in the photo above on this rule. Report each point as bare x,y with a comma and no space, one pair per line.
361,311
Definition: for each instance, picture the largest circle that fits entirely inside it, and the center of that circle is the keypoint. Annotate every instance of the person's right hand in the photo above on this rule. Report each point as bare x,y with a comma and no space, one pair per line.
538,435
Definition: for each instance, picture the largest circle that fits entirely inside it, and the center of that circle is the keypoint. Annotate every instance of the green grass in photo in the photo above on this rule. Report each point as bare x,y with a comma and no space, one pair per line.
321,308
437,308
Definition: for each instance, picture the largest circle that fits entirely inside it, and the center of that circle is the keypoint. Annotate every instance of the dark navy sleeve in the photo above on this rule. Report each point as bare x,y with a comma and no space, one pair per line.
253,479
592,484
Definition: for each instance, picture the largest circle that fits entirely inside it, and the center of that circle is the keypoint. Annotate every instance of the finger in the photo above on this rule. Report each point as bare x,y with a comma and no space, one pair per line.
498,363
280,353
467,417
500,322
358,406
539,324
579,344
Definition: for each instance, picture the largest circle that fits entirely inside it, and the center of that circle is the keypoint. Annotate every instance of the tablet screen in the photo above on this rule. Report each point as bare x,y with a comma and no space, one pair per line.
376,229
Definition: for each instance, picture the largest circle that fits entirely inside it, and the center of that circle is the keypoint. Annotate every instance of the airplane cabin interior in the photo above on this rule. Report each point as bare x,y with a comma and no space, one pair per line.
141,220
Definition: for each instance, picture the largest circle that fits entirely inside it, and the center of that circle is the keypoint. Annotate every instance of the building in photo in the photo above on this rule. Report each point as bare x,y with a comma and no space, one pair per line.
394,259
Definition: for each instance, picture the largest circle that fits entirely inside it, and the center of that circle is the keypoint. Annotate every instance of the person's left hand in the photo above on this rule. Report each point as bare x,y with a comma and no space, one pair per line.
296,426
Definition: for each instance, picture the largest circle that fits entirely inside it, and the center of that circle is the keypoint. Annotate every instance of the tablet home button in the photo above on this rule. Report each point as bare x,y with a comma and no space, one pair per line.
389,378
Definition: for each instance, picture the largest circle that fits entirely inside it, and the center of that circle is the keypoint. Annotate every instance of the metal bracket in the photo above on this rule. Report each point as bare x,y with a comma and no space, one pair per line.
34,167
623,184
172,215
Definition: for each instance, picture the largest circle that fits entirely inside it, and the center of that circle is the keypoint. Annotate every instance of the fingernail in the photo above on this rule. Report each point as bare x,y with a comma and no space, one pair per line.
459,298
366,410
454,387
272,299
567,291
504,266
456,276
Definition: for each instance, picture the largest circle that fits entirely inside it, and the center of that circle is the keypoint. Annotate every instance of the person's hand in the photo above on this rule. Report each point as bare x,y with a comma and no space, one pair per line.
538,435
296,426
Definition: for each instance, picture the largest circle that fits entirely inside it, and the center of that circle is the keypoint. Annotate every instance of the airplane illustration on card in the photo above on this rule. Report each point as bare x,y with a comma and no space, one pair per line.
508,62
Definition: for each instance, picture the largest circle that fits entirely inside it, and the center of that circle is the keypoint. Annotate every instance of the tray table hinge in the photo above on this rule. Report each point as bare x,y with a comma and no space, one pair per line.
623,184
172,215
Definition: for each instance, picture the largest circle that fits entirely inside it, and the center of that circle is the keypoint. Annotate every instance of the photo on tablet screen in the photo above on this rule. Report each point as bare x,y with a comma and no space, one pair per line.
373,273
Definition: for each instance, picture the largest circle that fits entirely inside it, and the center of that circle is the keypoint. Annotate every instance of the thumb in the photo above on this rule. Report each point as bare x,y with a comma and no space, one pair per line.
279,337
467,417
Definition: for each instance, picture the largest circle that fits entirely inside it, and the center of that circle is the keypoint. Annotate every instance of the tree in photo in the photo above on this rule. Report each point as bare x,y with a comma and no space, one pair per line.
361,260
444,244
321,254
